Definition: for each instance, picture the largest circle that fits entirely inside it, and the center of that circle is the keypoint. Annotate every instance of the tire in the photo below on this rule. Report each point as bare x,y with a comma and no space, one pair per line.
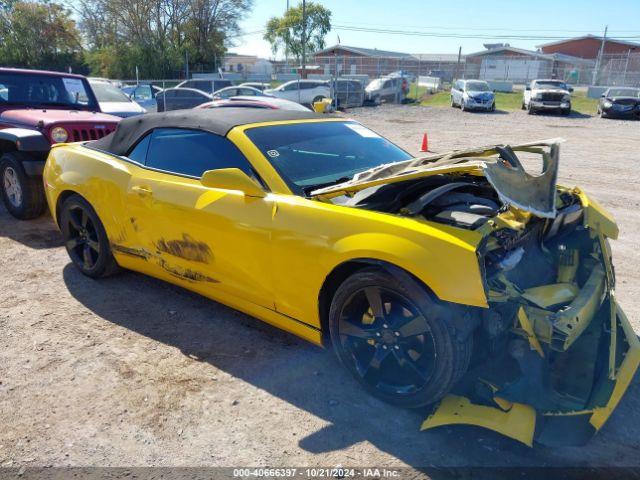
396,339
602,114
523,107
462,106
22,195
493,107
453,104
566,112
317,99
85,238
530,109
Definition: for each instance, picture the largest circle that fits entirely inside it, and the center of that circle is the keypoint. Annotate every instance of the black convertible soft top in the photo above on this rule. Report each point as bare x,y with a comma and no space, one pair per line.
214,120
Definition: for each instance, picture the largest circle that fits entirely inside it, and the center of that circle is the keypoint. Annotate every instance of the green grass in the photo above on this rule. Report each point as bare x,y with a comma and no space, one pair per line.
504,101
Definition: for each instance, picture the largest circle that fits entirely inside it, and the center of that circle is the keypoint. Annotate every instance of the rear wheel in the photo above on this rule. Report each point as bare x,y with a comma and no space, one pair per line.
85,238
22,195
395,339
530,110
317,99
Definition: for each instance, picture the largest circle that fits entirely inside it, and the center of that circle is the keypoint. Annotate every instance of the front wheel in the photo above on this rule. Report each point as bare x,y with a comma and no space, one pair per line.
396,339
86,239
22,195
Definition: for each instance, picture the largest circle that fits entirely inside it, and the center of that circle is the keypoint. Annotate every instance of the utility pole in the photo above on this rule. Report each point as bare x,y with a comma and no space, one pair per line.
286,46
596,70
458,64
304,38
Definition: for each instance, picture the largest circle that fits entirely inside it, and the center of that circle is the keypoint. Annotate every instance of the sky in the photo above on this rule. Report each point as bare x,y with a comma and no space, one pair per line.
471,18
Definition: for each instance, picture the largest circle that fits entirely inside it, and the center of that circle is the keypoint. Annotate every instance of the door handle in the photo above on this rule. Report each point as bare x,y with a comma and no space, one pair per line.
142,190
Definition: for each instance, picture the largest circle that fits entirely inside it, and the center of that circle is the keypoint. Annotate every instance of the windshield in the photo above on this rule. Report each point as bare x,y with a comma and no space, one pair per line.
107,93
624,92
43,90
314,155
375,84
550,84
476,87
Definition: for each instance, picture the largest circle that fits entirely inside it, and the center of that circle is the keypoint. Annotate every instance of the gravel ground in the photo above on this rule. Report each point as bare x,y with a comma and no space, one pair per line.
130,371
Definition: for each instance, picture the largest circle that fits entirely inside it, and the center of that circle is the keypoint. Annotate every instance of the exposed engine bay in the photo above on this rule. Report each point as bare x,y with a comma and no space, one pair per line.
549,349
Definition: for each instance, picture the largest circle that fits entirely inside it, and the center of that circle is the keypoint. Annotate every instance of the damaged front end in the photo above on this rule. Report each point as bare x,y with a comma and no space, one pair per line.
554,352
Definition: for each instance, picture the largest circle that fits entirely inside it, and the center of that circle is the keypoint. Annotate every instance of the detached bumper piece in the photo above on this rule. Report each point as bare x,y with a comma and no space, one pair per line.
526,424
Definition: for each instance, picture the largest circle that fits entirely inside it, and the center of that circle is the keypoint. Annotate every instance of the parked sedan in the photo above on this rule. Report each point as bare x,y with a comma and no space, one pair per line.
456,278
620,102
259,85
229,92
114,101
473,95
273,103
305,92
181,98
206,85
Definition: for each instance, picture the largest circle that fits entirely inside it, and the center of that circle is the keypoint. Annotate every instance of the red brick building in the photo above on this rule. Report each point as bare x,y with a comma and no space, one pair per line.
589,46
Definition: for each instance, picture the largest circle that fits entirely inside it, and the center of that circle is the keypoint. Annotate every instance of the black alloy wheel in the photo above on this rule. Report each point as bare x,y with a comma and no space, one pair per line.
85,238
395,339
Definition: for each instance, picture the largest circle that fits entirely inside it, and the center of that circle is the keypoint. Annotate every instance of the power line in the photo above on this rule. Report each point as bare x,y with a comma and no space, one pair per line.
459,35
503,29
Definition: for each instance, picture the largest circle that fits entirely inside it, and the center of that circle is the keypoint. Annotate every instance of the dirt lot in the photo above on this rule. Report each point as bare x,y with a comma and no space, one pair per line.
131,371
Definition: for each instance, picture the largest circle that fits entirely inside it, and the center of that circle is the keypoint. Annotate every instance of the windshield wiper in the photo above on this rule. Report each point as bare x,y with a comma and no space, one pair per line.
310,188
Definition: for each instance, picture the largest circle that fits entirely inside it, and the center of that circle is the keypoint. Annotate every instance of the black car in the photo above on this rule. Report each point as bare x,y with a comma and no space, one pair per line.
206,85
620,102
181,98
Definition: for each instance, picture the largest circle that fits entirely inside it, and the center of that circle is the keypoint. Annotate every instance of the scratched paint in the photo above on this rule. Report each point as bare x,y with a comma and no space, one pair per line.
187,248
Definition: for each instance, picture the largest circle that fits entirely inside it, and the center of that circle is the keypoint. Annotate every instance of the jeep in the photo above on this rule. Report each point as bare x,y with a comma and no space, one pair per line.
37,109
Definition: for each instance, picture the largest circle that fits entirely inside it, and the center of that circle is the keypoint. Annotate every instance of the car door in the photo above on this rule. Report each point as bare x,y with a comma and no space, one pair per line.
212,240
290,91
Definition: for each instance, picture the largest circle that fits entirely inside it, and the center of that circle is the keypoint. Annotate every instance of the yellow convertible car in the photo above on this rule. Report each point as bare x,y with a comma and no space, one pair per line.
456,280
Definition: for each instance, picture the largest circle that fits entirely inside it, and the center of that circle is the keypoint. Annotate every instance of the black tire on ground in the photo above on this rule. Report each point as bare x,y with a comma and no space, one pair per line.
85,238
602,114
453,104
462,106
22,195
396,339
566,112
493,107
530,109
317,99
523,107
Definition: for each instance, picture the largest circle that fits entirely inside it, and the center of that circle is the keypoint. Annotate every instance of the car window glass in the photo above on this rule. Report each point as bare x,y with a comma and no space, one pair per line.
387,84
143,92
290,87
4,93
193,152
139,153
246,91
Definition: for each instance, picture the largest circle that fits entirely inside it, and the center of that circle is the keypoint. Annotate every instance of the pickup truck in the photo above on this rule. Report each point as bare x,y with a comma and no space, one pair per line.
545,95
38,109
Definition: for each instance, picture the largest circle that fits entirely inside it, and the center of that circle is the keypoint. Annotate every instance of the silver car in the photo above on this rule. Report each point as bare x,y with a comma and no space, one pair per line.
473,95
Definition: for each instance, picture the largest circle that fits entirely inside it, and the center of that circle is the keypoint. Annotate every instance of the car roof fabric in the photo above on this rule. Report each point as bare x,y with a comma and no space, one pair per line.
217,121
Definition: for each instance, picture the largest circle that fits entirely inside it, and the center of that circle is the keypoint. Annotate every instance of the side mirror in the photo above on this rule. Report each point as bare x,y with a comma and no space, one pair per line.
232,179
527,88
603,95
570,89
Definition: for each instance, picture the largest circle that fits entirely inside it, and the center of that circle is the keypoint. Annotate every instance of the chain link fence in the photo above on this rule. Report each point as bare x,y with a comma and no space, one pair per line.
417,75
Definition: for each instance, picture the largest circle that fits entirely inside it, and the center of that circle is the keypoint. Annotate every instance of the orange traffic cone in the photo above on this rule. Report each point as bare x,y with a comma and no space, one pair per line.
425,143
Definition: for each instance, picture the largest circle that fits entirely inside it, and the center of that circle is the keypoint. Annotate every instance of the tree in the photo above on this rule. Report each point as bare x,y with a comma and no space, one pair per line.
157,35
286,32
39,35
